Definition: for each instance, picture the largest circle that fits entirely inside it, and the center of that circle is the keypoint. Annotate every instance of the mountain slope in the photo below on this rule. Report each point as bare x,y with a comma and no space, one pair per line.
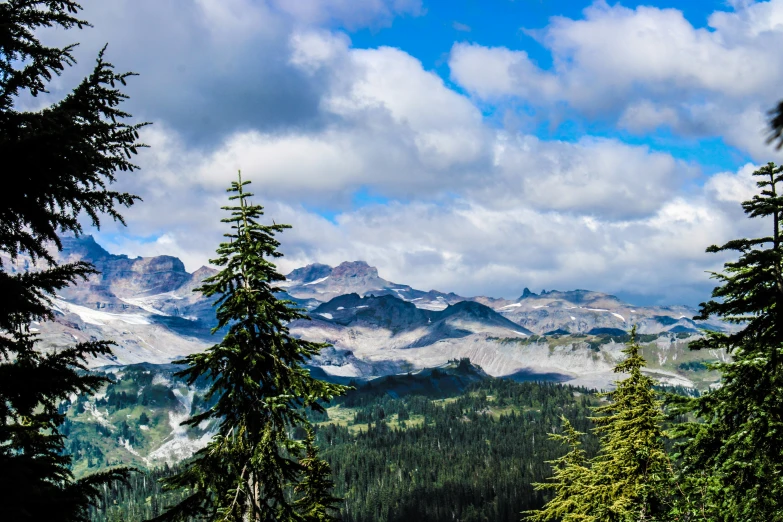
148,306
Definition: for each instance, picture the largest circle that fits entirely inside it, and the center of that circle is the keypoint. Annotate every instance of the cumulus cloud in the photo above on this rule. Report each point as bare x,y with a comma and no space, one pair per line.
272,89
209,68
647,68
592,176
475,248
544,214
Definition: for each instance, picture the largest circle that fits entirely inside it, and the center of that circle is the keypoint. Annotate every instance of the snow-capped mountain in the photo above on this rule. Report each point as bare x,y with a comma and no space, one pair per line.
377,327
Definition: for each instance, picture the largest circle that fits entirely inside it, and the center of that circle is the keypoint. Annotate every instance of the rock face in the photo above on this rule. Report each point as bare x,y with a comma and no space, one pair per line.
377,327
360,278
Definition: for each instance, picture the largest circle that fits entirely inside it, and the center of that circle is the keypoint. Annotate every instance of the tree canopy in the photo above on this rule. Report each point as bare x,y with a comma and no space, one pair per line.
733,458
59,161
626,480
254,468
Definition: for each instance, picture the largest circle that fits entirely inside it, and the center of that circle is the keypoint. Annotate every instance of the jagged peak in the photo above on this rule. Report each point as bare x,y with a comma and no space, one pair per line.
84,247
354,269
527,293
309,273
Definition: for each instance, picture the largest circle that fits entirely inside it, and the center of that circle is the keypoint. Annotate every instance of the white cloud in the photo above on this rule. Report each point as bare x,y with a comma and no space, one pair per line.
472,244
647,67
733,187
311,120
594,176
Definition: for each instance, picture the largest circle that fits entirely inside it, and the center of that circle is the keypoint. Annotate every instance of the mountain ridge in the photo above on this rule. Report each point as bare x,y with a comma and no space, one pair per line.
377,327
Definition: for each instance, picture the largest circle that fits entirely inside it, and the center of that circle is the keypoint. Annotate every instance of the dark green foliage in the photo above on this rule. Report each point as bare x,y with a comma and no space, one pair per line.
316,502
776,125
571,481
66,155
143,500
469,459
261,390
732,461
626,481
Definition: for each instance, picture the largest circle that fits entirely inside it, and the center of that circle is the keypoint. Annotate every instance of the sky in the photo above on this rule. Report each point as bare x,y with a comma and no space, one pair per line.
474,146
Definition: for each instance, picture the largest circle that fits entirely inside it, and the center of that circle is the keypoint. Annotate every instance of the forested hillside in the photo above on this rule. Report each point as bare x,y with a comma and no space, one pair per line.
469,457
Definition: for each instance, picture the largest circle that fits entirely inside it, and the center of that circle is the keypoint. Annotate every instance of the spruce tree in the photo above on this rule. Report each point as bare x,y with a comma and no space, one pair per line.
59,162
315,502
250,468
632,467
733,457
626,480
571,482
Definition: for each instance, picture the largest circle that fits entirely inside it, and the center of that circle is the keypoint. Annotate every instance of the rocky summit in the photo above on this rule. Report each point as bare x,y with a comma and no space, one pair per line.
376,327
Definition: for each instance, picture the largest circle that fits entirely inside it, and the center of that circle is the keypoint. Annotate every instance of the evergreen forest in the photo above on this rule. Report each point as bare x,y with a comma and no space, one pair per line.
472,456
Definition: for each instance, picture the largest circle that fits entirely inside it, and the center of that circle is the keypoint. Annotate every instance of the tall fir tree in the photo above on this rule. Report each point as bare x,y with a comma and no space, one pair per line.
251,467
315,502
631,470
732,459
59,161
626,481
571,482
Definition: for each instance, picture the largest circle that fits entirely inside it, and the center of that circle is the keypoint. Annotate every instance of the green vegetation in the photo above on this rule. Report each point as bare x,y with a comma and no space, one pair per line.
731,461
470,457
254,468
66,155
626,480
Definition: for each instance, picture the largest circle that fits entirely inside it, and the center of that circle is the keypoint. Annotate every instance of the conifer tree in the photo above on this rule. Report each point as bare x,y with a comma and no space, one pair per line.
625,481
776,125
58,163
315,501
572,482
733,457
250,468
632,467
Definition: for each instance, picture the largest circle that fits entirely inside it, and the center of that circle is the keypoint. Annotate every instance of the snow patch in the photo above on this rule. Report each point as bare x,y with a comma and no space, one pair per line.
178,446
327,315
619,316
98,415
346,370
159,379
512,305
316,281
97,317
144,303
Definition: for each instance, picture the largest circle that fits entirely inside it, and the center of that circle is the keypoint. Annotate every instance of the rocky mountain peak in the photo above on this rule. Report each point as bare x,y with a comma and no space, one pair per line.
203,273
83,248
527,293
349,269
309,273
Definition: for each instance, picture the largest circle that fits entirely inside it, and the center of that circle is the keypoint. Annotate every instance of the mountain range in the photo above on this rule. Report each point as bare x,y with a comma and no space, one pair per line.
376,327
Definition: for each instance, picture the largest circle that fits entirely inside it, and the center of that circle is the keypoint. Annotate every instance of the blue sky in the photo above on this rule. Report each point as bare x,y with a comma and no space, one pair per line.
513,24
472,146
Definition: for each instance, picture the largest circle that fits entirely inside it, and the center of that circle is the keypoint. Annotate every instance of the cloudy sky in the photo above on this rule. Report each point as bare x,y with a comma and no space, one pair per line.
475,146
